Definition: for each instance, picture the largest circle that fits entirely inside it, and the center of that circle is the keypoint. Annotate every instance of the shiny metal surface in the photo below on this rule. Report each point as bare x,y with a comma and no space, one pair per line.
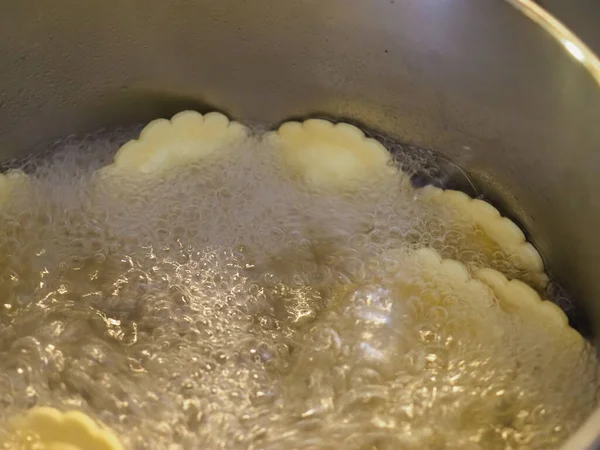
581,16
477,80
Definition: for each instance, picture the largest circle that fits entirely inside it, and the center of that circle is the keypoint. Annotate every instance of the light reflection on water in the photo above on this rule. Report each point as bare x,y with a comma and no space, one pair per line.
229,309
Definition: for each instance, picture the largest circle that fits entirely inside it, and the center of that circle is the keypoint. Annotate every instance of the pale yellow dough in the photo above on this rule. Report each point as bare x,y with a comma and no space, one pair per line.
518,298
188,137
9,182
44,428
487,286
332,156
428,266
501,231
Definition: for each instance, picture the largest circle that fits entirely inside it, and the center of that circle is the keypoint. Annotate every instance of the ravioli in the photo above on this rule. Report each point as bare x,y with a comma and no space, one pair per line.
45,428
187,138
9,183
487,231
487,288
332,156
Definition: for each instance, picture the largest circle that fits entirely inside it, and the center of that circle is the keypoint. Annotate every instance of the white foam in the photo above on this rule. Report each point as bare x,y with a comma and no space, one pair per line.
222,305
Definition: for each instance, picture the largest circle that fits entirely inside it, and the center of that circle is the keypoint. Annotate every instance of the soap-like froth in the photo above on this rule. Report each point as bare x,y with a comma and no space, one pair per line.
223,306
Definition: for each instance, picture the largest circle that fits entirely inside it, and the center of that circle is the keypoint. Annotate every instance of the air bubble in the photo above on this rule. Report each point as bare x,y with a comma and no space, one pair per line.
222,305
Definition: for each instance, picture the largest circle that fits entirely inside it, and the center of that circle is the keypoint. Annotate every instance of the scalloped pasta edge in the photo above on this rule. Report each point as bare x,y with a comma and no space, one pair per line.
299,140
9,181
150,151
75,429
503,231
513,294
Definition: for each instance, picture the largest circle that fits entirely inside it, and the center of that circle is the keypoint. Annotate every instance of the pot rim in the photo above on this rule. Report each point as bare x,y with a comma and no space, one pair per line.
575,47
587,437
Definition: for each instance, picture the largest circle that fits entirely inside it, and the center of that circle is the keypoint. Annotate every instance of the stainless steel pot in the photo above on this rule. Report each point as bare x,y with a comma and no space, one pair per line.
506,92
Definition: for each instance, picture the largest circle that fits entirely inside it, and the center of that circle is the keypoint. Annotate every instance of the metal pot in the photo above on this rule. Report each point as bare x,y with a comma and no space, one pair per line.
505,92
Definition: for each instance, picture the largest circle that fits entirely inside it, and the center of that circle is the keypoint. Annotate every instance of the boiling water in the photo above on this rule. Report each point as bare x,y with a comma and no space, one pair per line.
223,306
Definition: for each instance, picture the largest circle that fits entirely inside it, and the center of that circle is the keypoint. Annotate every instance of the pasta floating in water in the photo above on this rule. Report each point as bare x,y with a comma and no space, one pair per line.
9,183
44,428
421,333
212,289
187,138
486,231
333,156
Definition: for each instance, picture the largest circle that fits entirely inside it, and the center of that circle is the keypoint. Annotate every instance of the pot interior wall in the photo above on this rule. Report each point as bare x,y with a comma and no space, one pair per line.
477,81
